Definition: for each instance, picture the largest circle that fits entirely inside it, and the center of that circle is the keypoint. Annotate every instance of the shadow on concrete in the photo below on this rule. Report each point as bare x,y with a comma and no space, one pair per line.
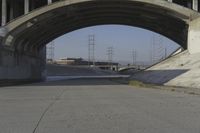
158,76
149,76
76,82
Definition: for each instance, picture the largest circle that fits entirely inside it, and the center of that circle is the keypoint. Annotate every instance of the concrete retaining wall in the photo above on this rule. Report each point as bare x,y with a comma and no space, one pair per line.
21,67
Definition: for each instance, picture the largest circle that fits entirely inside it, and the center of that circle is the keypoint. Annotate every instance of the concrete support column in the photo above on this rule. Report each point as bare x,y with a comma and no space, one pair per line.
43,63
195,5
26,6
4,13
49,2
194,36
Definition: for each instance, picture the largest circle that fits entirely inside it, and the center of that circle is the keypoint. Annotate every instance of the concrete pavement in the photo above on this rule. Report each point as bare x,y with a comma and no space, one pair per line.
96,106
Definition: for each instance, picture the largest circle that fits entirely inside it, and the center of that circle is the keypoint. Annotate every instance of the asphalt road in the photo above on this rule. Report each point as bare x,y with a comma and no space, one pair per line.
96,106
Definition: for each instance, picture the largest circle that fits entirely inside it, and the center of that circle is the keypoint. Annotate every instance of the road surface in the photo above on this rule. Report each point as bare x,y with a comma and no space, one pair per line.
96,106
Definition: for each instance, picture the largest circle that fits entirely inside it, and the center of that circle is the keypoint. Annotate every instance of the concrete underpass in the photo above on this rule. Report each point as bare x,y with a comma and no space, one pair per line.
24,33
163,98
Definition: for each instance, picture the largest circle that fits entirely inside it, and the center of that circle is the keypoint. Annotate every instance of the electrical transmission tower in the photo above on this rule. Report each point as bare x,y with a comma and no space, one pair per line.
134,55
50,51
91,49
158,50
110,53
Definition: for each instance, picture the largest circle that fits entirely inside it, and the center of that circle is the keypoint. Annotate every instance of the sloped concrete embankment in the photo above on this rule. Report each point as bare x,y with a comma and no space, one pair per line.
182,70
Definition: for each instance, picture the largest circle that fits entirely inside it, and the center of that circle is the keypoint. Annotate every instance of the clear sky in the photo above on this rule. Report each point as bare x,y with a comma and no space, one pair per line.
122,38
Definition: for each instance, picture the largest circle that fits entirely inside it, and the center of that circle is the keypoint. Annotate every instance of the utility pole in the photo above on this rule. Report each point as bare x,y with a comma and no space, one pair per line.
110,53
91,49
50,51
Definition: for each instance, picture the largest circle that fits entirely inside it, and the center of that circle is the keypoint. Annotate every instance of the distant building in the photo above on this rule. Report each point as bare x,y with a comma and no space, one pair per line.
81,62
68,61
49,61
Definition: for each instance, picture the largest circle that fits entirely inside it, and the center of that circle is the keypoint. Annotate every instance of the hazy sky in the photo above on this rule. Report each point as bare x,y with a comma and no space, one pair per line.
122,38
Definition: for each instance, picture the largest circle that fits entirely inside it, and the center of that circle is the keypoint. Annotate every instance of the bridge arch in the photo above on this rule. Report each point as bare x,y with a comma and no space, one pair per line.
22,40
31,32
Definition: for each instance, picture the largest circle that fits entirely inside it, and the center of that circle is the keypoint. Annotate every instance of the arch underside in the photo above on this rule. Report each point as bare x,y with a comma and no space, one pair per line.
57,22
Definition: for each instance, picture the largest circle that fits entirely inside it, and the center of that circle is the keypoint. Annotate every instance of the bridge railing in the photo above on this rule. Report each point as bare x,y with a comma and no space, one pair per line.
11,9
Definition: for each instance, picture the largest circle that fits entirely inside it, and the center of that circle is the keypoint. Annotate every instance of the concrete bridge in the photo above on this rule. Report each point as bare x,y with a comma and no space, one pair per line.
28,25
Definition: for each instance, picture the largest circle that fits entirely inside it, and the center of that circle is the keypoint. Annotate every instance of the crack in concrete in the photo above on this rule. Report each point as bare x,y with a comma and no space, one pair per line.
46,110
